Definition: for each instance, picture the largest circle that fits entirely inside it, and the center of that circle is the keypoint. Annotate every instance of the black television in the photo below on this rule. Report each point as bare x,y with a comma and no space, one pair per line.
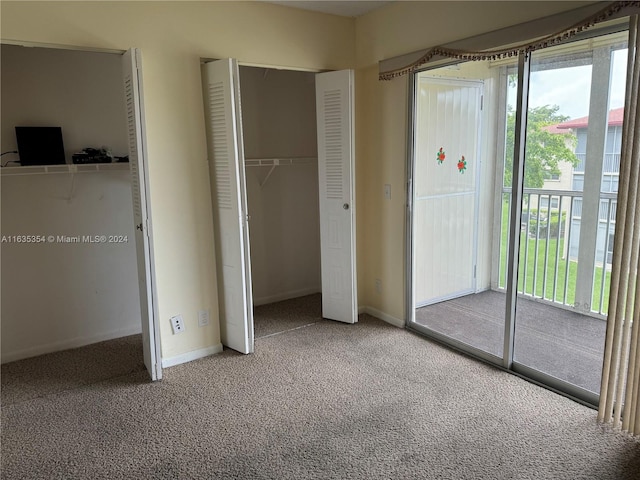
40,145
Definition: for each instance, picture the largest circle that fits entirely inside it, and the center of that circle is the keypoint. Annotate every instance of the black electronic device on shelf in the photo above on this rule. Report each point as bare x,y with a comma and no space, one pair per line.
40,145
92,155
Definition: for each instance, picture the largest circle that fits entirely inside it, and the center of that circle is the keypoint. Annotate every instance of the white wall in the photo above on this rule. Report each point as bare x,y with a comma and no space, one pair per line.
63,295
79,91
278,109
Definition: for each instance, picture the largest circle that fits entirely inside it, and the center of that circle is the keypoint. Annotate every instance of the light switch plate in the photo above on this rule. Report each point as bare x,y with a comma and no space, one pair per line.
203,318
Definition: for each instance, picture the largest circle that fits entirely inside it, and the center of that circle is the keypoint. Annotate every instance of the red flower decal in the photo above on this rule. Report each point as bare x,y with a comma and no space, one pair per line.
441,156
462,164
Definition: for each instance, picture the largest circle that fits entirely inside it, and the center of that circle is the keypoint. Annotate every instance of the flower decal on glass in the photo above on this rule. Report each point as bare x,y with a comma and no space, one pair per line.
462,164
441,156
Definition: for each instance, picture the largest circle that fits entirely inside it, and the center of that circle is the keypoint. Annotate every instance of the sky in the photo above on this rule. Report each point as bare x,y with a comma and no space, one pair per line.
570,87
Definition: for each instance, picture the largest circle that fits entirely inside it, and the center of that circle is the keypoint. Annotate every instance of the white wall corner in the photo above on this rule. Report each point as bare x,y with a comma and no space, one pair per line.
374,312
191,356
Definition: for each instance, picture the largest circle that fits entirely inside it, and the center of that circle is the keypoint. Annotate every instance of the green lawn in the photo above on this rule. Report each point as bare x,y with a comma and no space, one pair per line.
564,288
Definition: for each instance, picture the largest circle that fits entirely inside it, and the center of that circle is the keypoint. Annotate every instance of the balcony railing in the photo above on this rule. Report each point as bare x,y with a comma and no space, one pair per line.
550,243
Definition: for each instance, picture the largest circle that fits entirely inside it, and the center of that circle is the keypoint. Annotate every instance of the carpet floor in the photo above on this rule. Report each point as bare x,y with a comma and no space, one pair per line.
70,369
286,315
55,372
327,401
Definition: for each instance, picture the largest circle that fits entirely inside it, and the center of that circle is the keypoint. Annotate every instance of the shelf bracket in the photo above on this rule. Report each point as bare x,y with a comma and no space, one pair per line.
276,162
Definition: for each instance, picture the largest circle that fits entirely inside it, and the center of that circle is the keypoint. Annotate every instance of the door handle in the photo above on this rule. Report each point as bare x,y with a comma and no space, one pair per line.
345,206
139,227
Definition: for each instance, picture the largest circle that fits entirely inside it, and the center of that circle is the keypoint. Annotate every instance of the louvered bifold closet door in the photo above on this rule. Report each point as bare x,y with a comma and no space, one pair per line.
226,169
137,160
334,107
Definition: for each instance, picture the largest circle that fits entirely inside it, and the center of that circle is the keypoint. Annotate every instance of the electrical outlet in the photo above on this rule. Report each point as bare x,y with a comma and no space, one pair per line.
378,285
203,318
177,324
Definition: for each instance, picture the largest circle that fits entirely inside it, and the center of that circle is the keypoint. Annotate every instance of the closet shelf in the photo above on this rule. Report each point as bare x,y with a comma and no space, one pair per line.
275,162
268,162
67,168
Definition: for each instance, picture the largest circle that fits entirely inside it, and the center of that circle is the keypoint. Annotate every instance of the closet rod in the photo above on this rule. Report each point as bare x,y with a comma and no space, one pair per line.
275,162
267,162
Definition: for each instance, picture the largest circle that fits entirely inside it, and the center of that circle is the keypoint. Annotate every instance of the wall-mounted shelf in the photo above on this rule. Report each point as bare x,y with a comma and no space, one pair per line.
275,162
67,168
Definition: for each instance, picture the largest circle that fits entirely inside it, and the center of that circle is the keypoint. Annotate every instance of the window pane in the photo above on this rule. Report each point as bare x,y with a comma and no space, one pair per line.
563,276
456,146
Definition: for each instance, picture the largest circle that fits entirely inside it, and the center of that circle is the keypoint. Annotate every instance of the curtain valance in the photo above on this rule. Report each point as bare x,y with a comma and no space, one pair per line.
545,32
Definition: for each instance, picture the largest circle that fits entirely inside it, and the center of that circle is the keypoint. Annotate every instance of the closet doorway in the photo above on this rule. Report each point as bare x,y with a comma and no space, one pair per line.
280,145
75,287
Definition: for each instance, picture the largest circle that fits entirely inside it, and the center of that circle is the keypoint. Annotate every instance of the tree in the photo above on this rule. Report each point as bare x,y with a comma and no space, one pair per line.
544,150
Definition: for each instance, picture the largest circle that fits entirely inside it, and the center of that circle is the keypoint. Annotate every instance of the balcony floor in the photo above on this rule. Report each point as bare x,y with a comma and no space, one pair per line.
558,342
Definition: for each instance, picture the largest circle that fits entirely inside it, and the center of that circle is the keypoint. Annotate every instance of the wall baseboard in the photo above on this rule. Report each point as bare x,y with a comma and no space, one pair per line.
374,312
191,356
68,344
286,296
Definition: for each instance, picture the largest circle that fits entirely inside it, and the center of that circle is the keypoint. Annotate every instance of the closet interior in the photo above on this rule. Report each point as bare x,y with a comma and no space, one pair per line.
66,291
281,169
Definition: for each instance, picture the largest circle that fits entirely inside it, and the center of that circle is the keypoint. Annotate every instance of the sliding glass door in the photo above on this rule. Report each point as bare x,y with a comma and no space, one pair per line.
571,168
475,201
453,206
